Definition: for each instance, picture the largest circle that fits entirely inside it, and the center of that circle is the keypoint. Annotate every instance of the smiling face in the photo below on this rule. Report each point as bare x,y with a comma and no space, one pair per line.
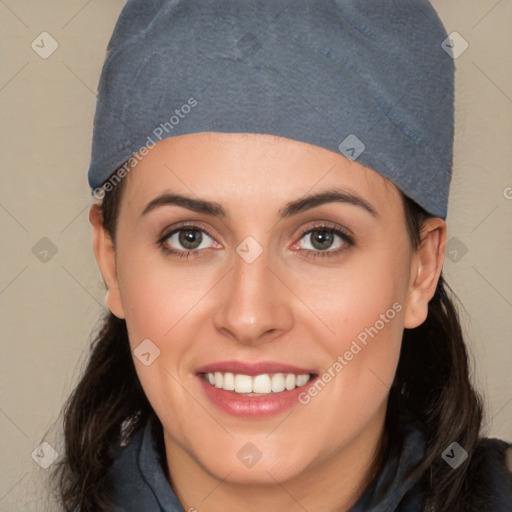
291,261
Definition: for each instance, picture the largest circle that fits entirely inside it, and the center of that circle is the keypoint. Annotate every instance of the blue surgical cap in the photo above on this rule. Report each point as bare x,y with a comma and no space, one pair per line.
365,79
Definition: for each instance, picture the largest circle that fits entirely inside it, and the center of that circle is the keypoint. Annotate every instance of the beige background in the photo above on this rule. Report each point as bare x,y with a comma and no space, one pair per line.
48,309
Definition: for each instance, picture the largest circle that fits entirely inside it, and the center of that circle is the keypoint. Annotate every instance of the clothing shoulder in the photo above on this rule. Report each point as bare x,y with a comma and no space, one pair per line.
130,489
140,483
490,476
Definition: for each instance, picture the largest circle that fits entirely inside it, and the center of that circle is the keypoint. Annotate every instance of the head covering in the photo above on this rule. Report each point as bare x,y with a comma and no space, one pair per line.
367,79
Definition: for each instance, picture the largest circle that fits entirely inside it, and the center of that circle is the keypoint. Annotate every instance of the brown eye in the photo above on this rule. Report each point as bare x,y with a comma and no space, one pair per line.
187,238
190,238
322,239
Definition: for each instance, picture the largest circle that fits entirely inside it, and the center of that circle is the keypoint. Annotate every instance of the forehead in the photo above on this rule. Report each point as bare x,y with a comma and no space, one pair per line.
234,168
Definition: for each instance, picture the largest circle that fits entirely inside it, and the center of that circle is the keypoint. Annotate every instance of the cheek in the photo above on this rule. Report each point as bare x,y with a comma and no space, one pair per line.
155,296
368,288
361,308
159,306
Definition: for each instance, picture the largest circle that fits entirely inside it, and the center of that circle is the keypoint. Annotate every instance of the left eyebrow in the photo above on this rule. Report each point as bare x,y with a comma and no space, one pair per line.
327,196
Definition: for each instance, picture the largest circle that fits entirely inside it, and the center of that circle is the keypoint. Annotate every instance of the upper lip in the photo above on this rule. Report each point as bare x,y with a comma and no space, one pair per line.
253,369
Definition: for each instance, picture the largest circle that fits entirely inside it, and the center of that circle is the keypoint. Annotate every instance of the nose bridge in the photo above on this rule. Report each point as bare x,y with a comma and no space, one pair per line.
254,303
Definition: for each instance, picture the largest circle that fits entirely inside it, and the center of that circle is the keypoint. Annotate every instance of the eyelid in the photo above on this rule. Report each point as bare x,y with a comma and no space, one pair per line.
170,230
346,233
348,239
327,224
183,253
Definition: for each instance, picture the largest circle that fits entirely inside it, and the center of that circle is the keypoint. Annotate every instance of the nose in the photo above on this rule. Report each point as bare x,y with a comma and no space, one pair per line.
255,306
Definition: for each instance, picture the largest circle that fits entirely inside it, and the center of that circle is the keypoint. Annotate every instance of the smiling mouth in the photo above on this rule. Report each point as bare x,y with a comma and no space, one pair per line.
256,385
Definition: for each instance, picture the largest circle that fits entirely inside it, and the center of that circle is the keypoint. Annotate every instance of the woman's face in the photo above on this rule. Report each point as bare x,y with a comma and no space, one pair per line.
293,263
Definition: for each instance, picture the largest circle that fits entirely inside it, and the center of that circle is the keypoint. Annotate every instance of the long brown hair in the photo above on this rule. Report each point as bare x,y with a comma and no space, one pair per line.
432,387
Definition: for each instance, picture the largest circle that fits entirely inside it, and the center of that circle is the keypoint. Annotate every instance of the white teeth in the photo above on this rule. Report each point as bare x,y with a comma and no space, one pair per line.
243,383
229,382
260,384
278,383
302,379
289,382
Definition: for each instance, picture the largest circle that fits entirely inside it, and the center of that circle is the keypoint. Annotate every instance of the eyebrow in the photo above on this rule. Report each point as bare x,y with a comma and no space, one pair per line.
291,208
196,205
327,196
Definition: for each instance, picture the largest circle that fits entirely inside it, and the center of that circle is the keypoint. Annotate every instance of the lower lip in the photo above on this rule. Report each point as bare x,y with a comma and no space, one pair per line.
253,406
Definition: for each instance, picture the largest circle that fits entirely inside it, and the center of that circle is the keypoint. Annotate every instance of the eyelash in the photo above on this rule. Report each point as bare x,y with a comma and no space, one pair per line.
347,239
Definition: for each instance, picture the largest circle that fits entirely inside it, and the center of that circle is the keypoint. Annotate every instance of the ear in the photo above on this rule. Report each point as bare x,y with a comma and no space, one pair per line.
104,252
426,267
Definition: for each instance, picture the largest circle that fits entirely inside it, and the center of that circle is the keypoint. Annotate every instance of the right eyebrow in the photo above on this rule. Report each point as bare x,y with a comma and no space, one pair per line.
196,205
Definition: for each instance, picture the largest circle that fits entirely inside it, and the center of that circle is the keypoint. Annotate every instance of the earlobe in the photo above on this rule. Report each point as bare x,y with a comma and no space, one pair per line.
104,253
426,267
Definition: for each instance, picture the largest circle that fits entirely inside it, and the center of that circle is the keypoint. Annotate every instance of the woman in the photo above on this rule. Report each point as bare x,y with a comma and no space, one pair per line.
272,181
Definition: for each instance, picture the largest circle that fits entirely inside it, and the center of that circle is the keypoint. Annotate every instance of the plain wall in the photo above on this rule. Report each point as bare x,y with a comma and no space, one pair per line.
48,309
